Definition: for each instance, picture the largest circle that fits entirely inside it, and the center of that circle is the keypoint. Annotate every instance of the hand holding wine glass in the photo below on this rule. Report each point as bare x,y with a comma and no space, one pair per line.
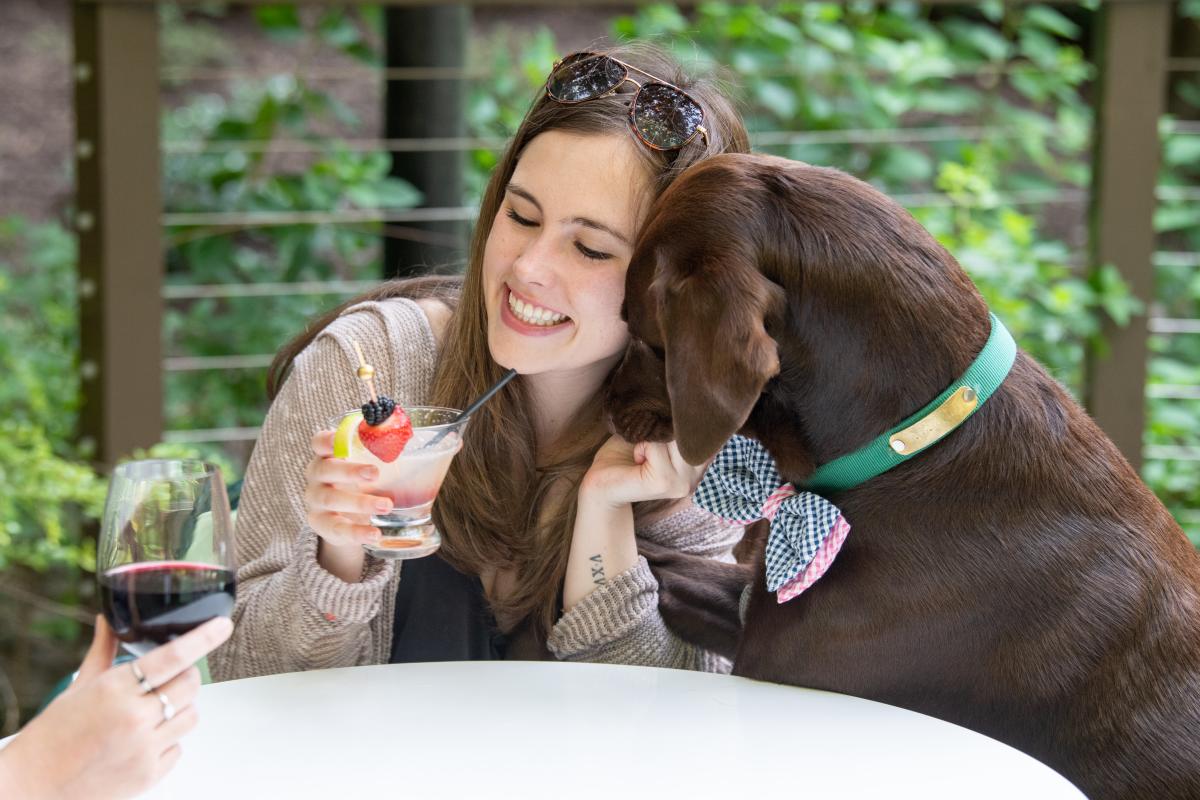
105,737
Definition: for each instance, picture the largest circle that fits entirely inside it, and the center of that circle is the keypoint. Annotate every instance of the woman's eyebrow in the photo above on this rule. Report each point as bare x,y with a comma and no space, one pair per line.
599,226
524,193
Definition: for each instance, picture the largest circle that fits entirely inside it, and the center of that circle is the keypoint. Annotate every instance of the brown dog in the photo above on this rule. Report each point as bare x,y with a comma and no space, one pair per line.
1017,577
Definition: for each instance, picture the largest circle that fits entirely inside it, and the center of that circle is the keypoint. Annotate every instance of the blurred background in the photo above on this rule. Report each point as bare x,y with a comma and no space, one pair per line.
183,185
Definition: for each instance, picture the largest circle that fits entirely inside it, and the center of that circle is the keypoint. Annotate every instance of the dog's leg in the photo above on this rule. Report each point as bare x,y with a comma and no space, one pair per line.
699,597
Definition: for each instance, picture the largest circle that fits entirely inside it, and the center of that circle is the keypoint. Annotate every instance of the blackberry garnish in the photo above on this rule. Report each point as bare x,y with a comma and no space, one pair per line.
378,410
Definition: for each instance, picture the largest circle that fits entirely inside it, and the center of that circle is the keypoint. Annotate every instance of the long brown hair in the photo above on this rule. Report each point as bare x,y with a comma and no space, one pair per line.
501,505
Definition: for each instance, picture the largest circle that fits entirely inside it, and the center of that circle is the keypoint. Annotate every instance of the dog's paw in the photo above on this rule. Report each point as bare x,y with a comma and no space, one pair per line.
639,423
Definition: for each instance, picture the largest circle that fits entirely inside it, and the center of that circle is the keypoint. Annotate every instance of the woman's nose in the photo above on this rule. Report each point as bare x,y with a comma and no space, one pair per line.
535,265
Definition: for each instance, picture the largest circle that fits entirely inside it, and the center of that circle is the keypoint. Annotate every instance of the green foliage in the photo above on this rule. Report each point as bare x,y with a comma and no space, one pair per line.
47,487
352,31
517,65
330,177
1005,87
1175,358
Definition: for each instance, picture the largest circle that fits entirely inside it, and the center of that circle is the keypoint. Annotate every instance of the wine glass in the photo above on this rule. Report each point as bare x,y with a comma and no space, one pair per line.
165,562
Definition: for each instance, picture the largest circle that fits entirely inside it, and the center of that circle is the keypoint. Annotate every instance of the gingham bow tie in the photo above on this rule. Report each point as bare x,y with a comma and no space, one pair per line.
742,485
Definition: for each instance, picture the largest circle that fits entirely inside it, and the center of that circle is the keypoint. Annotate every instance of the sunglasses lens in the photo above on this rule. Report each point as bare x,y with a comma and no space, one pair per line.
584,76
666,117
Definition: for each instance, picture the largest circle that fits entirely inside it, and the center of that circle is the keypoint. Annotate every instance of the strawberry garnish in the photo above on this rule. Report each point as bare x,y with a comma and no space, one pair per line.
387,439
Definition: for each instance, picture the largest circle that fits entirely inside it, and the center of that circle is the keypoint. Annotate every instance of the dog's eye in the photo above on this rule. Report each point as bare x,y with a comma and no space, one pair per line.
517,218
595,255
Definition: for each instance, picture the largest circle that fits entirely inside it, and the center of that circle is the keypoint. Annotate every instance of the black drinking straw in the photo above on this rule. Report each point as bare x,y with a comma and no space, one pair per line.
471,409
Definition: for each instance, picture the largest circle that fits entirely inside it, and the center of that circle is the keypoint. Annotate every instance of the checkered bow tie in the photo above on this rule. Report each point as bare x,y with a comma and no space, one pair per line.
743,485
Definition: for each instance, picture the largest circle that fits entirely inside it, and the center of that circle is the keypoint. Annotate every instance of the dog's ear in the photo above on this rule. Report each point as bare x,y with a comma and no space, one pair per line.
719,355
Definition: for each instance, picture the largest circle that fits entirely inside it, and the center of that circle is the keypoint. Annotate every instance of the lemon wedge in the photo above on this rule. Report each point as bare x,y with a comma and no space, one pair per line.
346,433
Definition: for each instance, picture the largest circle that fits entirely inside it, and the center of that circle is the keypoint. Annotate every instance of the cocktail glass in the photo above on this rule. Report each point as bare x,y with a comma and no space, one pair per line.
411,481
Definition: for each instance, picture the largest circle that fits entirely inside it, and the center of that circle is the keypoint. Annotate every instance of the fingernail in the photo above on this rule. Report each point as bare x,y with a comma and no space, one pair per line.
383,506
368,473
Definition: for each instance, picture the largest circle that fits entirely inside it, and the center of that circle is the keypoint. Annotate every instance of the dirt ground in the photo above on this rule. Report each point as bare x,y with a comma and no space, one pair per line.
36,121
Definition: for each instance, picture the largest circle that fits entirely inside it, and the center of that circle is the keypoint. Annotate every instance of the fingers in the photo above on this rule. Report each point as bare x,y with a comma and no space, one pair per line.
338,529
322,444
694,473
337,511
324,498
338,471
164,663
180,692
167,760
101,653
670,480
178,726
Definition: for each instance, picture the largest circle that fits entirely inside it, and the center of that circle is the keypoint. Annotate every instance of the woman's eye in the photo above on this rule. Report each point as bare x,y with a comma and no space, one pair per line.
595,255
517,218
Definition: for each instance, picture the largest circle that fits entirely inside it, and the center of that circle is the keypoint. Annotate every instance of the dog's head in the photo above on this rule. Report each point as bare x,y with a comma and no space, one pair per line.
701,303
781,297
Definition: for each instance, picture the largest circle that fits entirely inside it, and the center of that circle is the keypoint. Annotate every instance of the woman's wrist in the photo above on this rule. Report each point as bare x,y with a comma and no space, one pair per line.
345,563
602,544
594,494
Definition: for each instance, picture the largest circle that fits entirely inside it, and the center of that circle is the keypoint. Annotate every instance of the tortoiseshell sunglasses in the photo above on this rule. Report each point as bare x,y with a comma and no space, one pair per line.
663,116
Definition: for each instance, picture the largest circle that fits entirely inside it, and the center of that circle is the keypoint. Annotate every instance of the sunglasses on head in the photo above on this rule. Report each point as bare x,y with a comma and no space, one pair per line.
662,115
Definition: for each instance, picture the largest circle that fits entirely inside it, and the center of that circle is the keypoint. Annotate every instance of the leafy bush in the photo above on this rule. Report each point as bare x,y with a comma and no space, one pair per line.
1003,88
1175,358
47,484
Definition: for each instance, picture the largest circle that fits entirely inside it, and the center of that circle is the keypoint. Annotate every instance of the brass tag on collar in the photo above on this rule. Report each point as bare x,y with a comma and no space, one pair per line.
936,424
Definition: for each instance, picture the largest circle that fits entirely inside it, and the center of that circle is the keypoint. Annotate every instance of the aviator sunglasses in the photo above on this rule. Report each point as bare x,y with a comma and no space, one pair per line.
662,115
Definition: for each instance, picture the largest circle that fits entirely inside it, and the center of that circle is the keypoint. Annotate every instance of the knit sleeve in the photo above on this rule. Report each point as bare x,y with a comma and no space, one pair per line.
619,622
290,613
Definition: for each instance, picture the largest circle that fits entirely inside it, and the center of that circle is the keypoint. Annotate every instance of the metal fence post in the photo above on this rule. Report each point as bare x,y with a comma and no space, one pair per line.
432,36
1132,51
119,200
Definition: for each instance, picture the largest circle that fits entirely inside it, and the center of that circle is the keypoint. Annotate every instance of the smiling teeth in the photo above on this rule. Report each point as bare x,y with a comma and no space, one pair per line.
531,314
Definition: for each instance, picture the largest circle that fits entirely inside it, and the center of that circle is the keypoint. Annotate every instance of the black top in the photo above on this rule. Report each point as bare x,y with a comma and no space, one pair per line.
442,615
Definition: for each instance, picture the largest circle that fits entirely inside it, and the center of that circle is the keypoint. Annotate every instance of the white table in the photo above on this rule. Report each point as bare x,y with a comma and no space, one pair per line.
533,730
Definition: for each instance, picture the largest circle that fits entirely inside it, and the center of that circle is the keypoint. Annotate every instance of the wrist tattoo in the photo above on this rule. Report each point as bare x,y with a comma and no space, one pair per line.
598,570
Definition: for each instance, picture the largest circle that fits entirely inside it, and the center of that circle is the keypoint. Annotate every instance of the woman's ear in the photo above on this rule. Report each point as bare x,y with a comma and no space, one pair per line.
719,355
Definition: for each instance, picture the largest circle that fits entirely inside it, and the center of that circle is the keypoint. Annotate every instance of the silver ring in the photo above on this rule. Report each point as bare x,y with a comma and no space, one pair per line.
168,709
141,677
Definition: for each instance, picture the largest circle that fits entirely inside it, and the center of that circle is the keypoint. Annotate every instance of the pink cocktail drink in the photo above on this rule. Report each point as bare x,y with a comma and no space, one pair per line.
411,479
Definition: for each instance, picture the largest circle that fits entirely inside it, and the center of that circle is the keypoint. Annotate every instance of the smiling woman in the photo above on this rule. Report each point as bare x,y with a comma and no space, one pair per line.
554,266
539,556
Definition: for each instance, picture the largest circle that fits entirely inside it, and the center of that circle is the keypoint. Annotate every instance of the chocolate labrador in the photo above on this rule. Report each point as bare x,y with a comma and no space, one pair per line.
1016,577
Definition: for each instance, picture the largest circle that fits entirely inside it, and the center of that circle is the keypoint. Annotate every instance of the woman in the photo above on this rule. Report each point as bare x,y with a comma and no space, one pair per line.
539,556
115,731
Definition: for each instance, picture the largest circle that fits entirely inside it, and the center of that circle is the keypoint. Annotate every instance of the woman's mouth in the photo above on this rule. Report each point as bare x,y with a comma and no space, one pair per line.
527,317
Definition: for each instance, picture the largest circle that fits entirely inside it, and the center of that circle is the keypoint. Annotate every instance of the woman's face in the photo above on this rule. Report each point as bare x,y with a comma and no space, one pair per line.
555,260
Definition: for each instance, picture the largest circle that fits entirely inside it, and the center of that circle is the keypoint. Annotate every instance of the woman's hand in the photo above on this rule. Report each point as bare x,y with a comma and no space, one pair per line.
104,737
340,508
622,472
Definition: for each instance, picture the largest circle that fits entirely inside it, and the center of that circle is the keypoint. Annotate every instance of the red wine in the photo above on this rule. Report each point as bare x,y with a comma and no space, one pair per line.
150,603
